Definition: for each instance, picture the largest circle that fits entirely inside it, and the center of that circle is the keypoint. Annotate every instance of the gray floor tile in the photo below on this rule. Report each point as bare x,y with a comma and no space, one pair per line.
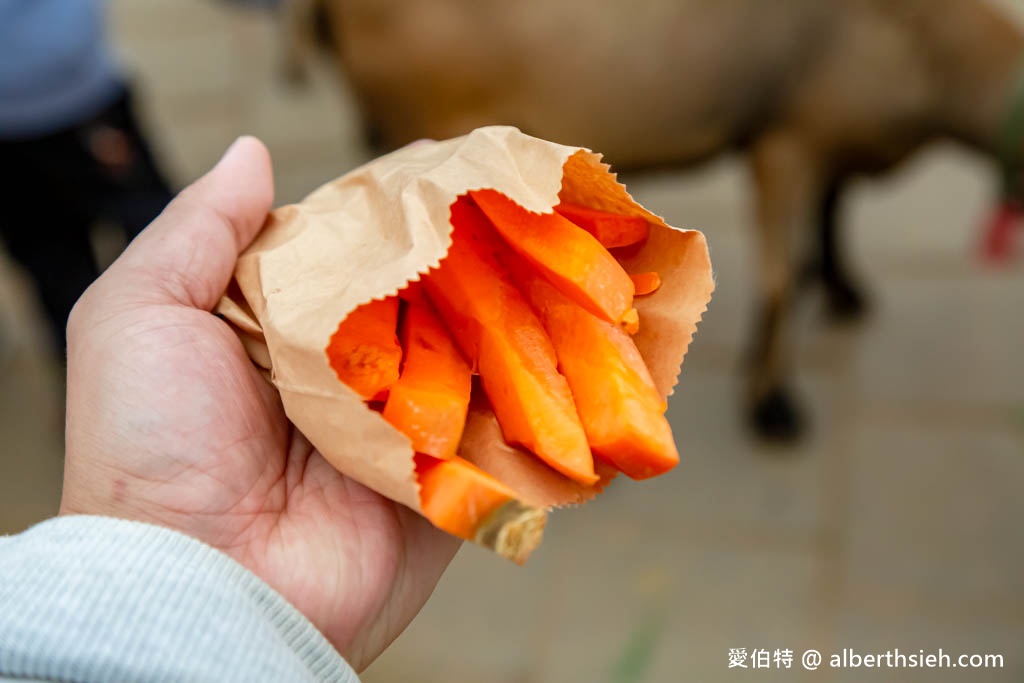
486,623
187,150
726,477
945,339
931,208
934,521
31,412
144,20
188,64
692,601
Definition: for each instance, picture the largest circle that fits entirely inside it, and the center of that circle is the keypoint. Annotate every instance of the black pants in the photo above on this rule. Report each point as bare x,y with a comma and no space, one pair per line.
54,189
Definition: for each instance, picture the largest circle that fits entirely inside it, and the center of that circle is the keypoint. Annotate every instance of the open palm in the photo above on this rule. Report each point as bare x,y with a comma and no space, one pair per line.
169,423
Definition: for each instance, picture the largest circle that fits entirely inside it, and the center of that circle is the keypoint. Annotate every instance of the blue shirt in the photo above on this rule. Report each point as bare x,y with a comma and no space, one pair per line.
56,68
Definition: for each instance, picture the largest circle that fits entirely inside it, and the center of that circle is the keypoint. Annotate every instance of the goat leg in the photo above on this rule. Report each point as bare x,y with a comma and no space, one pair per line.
843,296
788,191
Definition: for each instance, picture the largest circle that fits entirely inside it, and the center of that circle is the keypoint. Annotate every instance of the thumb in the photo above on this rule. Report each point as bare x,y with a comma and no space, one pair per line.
188,254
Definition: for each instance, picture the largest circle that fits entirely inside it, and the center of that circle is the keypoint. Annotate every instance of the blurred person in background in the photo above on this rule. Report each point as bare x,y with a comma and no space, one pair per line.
71,152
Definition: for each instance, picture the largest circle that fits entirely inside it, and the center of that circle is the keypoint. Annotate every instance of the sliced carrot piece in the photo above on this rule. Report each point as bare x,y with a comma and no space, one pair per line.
631,321
646,283
619,405
565,254
364,351
611,229
533,402
501,335
430,400
460,498
413,293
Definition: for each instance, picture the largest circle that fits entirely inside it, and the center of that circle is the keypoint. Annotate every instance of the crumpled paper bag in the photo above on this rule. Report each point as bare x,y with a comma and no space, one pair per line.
369,233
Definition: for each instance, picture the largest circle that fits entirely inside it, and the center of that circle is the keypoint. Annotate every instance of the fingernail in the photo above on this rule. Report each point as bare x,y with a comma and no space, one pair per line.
231,149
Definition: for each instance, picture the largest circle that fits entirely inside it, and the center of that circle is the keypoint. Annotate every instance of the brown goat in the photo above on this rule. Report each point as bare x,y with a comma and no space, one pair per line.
813,91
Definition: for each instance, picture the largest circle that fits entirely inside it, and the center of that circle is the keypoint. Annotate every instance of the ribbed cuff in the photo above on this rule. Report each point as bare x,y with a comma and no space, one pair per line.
96,599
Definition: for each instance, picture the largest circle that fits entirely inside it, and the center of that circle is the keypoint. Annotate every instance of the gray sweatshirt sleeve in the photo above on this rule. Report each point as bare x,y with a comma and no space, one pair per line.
98,600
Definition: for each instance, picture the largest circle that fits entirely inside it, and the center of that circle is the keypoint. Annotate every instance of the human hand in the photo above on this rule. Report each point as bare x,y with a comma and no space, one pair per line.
168,422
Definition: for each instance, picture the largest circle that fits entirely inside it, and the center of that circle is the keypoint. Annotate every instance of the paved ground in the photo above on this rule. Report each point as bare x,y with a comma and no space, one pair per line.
897,524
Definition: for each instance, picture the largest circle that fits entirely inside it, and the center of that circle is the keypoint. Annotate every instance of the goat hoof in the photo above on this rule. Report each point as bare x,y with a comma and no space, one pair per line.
846,303
775,417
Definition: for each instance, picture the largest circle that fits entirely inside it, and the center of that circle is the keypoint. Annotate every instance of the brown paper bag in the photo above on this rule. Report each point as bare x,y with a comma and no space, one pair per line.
369,233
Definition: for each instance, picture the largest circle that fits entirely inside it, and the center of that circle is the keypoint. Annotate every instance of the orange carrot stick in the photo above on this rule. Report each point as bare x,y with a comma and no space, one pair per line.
610,229
460,498
566,255
500,333
631,321
429,401
619,405
646,283
364,351
413,293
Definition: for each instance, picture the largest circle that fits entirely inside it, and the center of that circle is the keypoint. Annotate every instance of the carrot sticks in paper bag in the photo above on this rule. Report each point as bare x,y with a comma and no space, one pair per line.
374,302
